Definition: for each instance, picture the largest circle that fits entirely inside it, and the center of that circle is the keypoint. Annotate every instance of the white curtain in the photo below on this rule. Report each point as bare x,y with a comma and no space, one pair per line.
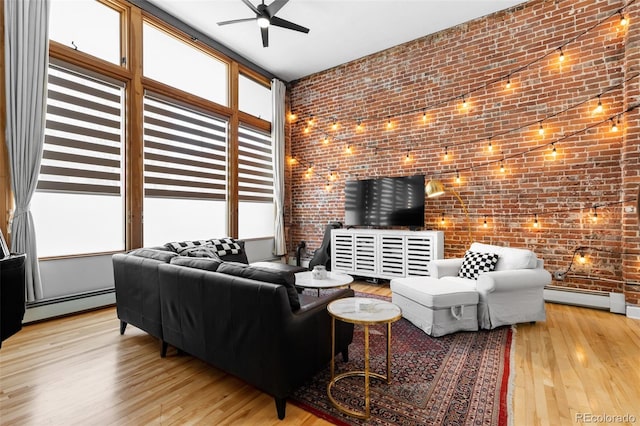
278,91
26,29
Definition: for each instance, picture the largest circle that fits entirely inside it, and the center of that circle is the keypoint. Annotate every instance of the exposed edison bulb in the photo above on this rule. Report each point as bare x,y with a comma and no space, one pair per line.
614,126
310,121
502,169
389,124
326,140
424,116
623,19
334,126
442,219
490,146
594,217
508,85
554,153
457,177
464,102
485,222
293,160
561,58
407,157
540,129
327,186
292,116
582,258
446,153
306,129
332,176
535,222
599,108
359,125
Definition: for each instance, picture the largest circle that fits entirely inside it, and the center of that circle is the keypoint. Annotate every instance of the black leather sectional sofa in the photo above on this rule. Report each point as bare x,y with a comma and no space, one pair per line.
247,320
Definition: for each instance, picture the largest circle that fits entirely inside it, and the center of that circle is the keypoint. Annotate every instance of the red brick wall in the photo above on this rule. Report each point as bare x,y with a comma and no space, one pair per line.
593,166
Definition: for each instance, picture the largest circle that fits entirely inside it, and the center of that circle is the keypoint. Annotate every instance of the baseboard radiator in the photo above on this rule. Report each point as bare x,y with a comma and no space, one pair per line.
613,302
62,306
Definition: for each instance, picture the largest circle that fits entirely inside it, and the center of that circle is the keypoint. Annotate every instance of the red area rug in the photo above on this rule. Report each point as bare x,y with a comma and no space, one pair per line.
458,379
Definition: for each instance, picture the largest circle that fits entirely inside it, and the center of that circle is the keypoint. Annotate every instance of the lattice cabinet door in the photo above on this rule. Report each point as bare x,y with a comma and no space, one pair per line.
365,251
392,254
420,250
342,259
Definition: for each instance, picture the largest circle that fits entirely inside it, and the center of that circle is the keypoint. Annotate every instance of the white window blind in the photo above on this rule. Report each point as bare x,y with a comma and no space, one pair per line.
255,168
185,152
84,135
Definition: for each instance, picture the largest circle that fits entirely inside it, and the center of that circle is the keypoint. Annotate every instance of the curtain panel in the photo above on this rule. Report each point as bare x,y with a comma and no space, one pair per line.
26,62
278,91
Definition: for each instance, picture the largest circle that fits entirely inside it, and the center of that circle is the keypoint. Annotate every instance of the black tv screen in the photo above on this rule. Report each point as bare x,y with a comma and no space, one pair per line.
386,201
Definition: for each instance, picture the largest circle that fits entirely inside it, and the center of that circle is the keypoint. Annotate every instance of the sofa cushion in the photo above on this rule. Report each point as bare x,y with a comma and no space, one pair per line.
285,278
510,258
206,263
435,293
475,263
161,255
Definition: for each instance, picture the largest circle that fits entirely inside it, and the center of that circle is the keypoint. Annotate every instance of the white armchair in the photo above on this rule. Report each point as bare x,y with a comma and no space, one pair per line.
511,294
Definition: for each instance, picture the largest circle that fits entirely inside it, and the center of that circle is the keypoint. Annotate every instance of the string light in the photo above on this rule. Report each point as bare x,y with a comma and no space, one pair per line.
348,149
389,124
623,20
359,125
457,177
306,129
508,85
614,126
594,218
327,187
561,58
442,219
490,146
310,121
407,157
535,221
334,126
332,176
502,163
326,140
464,102
485,222
599,108
582,259
424,116
540,129
292,116
554,153
446,153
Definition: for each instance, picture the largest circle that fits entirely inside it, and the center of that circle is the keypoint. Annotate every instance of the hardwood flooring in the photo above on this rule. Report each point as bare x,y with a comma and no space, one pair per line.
80,370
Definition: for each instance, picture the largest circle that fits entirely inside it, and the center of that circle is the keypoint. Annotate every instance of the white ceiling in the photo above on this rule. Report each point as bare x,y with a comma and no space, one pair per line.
340,30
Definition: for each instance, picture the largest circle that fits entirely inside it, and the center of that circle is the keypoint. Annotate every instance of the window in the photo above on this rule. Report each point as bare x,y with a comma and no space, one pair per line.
254,98
78,206
175,63
185,173
87,26
255,184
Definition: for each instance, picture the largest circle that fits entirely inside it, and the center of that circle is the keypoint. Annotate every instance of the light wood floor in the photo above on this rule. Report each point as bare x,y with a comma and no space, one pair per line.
79,370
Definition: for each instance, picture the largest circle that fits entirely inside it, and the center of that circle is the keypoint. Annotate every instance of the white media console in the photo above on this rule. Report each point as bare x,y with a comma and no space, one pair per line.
379,253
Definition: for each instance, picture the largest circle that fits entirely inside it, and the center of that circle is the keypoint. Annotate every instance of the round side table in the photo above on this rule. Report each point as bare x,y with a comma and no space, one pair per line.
364,311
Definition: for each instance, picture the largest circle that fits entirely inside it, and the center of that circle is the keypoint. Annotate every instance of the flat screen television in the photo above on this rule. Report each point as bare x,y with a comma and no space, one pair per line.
385,201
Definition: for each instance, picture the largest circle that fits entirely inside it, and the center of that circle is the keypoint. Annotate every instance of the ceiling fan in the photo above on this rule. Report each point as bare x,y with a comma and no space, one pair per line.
266,16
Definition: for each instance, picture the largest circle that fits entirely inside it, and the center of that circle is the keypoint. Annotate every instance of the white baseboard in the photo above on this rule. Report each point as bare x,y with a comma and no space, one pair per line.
633,312
578,297
65,307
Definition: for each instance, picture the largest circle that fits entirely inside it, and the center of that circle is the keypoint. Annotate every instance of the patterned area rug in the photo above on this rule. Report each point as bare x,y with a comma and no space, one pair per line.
458,379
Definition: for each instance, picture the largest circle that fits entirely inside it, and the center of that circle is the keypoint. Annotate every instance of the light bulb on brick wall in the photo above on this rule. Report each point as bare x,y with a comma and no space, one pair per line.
614,126
535,221
599,108
334,126
490,146
582,258
554,153
457,177
540,129
407,157
389,124
446,153
326,140
623,19
485,222
442,219
594,217
464,102
424,116
508,85
561,57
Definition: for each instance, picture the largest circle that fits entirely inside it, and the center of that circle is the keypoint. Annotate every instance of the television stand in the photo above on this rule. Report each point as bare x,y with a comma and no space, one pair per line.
385,253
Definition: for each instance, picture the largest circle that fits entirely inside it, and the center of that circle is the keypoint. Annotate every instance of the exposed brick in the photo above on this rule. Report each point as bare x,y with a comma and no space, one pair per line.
593,165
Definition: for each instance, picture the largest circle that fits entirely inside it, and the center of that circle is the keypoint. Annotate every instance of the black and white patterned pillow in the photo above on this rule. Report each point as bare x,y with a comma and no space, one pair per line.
181,246
475,264
226,246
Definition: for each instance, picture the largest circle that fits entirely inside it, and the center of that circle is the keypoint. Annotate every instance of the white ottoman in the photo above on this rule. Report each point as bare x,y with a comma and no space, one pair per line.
436,306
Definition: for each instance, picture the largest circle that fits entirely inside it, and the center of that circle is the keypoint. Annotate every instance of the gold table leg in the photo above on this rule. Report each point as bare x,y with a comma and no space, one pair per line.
366,373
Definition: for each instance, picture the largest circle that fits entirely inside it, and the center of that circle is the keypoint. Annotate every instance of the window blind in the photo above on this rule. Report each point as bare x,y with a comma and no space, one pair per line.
185,151
84,135
255,167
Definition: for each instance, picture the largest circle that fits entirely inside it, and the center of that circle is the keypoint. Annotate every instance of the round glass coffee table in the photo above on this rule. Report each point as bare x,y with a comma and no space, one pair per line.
364,311
334,279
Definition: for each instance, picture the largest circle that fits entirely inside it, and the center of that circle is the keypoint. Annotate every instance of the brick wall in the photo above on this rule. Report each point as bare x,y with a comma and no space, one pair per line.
593,165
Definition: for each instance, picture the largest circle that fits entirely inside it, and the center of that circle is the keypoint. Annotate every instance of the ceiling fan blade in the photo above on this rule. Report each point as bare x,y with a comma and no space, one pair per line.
251,6
274,7
278,22
235,21
265,36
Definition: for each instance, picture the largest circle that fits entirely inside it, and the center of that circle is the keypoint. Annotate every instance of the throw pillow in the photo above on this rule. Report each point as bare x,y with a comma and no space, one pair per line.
285,278
180,246
226,246
475,264
205,263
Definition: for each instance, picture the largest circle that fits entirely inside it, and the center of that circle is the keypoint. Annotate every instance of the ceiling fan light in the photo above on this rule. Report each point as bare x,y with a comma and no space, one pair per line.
263,22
